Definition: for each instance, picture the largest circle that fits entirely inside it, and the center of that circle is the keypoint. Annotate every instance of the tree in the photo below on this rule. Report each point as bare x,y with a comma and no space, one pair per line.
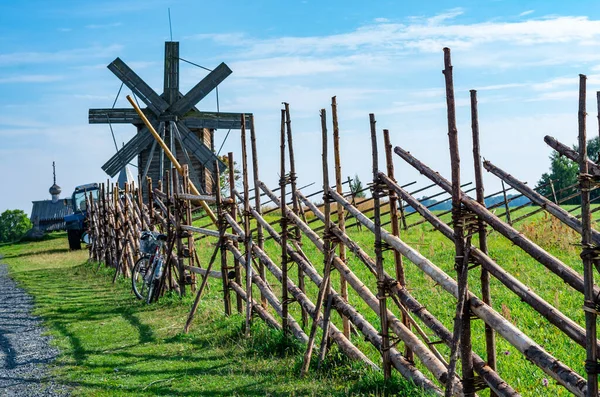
356,187
224,177
563,173
13,225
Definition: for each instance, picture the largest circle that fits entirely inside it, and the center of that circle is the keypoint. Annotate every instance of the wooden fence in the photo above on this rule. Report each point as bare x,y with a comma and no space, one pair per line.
251,275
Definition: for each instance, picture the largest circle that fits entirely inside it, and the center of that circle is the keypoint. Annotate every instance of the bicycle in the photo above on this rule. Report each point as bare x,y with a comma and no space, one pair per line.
147,271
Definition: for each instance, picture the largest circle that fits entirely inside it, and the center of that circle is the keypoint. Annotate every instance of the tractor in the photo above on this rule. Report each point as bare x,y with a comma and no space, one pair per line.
76,223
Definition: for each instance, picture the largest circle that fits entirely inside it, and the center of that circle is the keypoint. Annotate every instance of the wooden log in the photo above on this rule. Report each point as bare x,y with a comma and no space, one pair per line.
554,209
529,348
325,286
283,222
329,246
246,216
564,150
496,383
221,213
553,315
587,243
190,197
490,340
336,335
377,193
567,274
431,362
201,271
341,222
406,368
393,203
257,204
208,232
233,213
293,178
178,231
463,319
294,327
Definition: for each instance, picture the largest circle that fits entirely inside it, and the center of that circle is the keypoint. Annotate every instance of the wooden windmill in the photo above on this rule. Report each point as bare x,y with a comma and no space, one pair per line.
188,131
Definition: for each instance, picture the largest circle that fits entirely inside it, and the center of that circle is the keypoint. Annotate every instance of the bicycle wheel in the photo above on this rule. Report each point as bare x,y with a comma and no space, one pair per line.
140,287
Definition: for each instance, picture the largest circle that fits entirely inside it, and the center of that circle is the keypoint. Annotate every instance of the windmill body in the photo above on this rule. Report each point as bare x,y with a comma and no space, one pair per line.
188,131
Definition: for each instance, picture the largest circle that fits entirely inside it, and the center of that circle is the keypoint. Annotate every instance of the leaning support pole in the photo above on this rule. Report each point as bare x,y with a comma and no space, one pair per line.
589,253
567,274
529,348
377,193
554,209
169,154
490,340
463,320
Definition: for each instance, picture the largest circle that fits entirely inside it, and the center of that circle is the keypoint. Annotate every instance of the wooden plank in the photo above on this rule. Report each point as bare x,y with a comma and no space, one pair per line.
199,270
116,116
214,120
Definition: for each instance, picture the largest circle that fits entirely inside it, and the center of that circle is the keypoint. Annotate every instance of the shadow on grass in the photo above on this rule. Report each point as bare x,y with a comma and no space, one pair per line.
41,252
132,352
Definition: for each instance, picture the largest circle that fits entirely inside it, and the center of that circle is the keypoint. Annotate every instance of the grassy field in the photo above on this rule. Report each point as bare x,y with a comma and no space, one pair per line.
550,234
114,345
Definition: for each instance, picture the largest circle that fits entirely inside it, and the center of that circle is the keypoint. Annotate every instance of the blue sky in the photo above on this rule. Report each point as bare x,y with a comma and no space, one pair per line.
383,57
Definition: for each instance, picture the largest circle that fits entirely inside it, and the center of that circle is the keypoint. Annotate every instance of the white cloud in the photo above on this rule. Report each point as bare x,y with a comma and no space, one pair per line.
528,12
574,35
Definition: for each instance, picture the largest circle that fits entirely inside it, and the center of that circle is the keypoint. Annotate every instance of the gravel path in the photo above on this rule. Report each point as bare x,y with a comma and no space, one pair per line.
24,352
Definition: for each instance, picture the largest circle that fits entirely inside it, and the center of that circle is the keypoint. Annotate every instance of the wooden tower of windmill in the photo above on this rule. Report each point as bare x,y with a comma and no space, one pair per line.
188,131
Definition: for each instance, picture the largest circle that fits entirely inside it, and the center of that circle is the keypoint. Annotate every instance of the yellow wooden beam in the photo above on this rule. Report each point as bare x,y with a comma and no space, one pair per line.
171,157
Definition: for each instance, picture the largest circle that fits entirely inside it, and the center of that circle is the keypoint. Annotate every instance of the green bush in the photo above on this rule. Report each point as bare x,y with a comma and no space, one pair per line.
13,225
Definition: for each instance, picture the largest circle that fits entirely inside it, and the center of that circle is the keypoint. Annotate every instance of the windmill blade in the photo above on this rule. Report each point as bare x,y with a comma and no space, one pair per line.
201,90
116,116
215,121
139,142
138,86
196,147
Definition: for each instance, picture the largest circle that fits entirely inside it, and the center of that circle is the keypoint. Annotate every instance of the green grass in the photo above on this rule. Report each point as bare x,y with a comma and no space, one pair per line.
112,344
513,367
